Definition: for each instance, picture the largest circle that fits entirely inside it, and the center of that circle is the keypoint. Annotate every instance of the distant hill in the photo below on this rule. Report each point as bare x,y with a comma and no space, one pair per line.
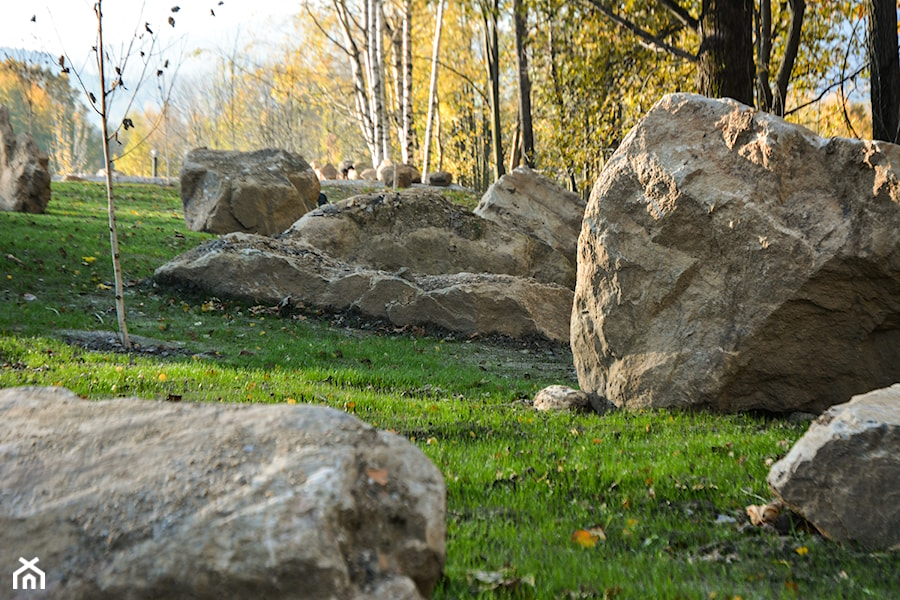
37,58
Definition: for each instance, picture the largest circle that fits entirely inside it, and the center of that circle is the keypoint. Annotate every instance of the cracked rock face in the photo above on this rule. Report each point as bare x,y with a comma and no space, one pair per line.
266,270
130,498
427,234
843,475
731,260
261,192
524,200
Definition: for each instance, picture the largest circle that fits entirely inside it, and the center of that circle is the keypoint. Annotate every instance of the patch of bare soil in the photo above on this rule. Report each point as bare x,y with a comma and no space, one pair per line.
108,341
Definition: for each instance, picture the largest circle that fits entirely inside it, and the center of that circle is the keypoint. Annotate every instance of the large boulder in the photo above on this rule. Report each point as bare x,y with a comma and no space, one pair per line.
260,192
732,260
129,498
425,233
24,170
527,201
439,178
267,270
843,475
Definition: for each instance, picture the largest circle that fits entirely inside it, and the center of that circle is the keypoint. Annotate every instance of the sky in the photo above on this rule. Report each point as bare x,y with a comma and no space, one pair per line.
70,26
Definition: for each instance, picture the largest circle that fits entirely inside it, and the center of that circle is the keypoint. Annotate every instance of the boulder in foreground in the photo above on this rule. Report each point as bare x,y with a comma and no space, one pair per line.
130,498
731,260
843,475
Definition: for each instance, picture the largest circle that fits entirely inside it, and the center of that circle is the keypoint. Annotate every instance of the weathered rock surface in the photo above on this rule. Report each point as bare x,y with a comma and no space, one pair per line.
425,233
732,260
399,176
24,170
269,270
439,178
843,475
260,192
129,498
326,172
560,397
526,201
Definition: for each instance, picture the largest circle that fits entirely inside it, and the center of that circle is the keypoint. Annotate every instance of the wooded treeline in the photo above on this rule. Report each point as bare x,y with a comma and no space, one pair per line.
551,83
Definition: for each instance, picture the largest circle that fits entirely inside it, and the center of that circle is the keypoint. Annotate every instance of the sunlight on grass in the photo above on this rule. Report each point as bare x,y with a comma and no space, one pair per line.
659,495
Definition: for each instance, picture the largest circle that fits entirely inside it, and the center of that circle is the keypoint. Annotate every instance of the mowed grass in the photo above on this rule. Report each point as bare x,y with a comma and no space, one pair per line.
628,505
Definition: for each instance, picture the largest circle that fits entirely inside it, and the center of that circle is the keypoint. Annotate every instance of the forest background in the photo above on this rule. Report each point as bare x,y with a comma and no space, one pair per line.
352,80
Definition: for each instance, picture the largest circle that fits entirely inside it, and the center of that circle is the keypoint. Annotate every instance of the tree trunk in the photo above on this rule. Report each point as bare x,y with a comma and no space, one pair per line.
360,89
884,69
770,100
526,130
725,67
110,197
432,88
407,126
373,73
378,83
492,59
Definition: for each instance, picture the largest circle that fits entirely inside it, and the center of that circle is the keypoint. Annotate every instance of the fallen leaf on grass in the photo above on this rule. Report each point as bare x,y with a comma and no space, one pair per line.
379,476
588,538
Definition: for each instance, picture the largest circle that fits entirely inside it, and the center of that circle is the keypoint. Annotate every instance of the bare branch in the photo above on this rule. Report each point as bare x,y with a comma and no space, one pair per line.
825,91
651,41
324,32
681,14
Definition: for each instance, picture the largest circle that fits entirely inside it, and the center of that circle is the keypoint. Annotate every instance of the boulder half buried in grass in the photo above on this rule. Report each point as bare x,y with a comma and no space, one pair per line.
843,475
422,231
130,498
266,270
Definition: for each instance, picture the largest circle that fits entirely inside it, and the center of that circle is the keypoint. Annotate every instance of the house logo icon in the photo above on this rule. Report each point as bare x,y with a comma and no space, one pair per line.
28,576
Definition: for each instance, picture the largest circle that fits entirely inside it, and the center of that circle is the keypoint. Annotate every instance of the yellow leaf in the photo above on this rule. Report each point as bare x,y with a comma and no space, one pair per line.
802,551
291,401
162,377
88,259
379,476
588,538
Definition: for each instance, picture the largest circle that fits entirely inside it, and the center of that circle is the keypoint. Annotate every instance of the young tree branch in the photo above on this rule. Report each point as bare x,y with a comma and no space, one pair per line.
681,14
652,41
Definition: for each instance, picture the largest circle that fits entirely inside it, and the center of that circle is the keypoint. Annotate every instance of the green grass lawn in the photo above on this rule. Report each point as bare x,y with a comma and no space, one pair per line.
628,505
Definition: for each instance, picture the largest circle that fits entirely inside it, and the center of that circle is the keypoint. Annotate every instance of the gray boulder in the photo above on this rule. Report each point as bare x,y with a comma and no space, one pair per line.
439,178
843,475
268,270
425,233
130,498
525,200
732,260
327,172
24,170
560,398
399,176
260,192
